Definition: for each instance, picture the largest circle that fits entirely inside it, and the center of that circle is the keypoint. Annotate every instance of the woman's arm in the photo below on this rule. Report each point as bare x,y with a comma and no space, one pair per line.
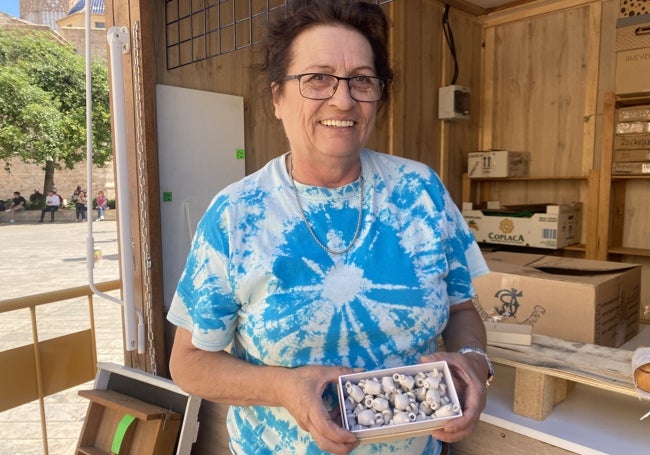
220,377
465,328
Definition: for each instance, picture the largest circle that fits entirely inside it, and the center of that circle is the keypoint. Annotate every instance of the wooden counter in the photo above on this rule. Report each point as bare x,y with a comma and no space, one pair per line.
600,415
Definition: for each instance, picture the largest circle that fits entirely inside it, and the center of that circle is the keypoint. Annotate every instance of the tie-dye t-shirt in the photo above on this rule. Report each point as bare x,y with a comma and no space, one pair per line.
256,278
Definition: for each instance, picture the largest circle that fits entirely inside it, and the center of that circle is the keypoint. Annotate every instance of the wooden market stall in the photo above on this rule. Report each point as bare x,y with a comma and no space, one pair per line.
542,76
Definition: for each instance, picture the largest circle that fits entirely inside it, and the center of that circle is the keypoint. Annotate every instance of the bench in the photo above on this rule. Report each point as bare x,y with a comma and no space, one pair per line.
63,215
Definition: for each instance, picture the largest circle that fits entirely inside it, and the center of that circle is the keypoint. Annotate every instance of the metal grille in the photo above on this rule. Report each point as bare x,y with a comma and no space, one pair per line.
200,29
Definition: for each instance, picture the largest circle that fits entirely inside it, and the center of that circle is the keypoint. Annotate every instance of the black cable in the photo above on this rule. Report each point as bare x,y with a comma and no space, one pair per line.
449,36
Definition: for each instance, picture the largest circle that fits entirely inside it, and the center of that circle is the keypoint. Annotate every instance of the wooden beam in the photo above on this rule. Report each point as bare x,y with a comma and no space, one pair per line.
597,366
525,10
139,88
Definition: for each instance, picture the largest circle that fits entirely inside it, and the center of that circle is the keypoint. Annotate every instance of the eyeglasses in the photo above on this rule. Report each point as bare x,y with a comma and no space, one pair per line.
319,86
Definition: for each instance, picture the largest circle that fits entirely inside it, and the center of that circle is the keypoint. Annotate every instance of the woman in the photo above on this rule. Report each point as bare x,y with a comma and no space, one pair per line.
102,205
79,198
330,258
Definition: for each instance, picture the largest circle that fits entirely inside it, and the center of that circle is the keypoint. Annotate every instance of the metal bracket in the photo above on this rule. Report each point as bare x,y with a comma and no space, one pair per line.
119,35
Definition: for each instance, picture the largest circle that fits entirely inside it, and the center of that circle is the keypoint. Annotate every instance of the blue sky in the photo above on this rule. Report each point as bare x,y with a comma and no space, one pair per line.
10,7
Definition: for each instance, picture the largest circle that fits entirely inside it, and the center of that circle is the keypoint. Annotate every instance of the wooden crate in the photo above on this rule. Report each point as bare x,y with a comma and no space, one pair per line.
108,427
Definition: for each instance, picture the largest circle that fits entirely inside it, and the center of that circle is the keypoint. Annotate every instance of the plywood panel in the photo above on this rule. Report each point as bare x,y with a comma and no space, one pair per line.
18,382
636,230
489,439
538,100
213,434
66,361
407,127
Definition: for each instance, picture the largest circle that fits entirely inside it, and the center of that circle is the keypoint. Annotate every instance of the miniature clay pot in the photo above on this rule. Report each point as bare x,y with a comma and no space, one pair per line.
371,386
401,401
355,392
388,384
642,377
367,418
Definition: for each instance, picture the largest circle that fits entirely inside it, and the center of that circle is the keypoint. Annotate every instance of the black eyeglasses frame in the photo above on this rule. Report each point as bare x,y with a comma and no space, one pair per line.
298,77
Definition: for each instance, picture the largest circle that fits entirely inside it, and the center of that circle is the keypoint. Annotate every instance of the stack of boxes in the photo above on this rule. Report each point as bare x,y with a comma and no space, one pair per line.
539,225
497,164
633,54
632,141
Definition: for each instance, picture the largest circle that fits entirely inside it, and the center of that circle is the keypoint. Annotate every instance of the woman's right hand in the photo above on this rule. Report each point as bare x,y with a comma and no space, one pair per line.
300,390
218,376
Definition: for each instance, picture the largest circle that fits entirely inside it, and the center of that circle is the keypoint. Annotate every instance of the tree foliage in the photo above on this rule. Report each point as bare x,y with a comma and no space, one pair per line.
43,102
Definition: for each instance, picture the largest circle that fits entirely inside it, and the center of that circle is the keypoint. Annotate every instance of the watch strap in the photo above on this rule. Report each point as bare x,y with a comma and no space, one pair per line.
481,352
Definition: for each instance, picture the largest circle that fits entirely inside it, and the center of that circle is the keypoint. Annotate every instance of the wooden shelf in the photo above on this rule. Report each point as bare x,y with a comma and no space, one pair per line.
153,431
611,219
633,100
645,252
110,399
528,179
577,247
547,370
630,177
92,451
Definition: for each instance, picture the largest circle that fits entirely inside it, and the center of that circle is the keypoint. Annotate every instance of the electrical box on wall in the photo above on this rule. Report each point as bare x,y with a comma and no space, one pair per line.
454,102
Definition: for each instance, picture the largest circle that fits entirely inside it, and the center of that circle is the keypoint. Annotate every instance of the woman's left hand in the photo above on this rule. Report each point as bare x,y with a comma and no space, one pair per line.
470,371
470,384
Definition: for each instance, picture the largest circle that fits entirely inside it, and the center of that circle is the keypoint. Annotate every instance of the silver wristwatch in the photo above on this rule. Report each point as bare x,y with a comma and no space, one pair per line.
481,352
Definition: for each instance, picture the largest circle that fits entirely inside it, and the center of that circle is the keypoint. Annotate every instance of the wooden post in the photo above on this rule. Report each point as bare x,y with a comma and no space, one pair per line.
537,393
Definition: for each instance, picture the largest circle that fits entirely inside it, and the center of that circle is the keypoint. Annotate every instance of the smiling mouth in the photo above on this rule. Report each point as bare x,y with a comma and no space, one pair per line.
338,123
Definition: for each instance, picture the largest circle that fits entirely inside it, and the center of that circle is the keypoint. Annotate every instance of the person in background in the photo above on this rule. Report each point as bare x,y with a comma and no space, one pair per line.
61,201
52,202
329,259
18,204
79,198
36,197
102,205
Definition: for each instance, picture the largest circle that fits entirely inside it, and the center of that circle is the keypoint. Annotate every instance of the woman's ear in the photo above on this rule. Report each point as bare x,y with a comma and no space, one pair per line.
275,96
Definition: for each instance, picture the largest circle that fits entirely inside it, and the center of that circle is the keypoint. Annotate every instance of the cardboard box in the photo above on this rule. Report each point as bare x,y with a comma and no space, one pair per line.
502,332
541,226
631,168
627,156
497,164
633,32
410,429
633,128
632,69
633,114
580,300
632,141
633,55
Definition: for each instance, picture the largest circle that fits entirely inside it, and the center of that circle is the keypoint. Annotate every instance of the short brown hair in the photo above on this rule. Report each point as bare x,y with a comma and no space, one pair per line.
366,18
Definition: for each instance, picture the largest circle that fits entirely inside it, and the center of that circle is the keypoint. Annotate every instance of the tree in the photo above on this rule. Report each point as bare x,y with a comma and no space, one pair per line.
43,104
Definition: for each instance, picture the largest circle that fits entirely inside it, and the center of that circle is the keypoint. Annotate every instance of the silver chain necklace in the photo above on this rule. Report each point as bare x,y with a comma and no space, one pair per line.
309,228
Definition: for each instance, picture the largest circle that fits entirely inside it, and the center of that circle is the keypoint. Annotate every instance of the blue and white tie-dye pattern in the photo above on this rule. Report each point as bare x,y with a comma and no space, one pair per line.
255,278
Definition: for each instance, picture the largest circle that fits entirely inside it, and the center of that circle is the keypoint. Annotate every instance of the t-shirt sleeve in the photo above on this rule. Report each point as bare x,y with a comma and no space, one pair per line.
204,302
464,256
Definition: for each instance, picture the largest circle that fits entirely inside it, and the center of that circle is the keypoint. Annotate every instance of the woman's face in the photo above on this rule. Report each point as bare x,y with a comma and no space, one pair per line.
337,127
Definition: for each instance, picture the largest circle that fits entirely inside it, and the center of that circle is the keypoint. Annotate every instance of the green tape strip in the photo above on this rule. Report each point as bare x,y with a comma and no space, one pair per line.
120,432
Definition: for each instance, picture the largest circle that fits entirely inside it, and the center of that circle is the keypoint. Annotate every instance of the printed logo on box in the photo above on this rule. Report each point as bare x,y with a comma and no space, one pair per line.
509,308
506,226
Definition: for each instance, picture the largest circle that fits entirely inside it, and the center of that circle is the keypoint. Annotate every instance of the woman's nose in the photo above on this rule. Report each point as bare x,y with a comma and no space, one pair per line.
342,96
